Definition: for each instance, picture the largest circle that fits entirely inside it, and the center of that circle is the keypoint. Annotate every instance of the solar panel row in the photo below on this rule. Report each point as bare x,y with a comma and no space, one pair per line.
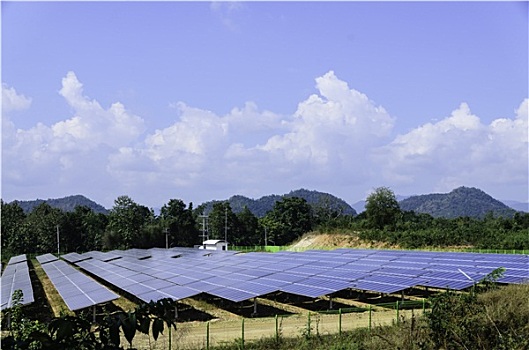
76,289
312,273
16,277
142,286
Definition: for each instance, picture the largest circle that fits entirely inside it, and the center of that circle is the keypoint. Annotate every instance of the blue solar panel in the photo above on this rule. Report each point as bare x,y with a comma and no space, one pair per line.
286,277
385,270
46,258
232,294
202,286
272,283
400,271
378,287
16,277
17,259
76,289
74,257
447,284
179,292
305,290
101,256
396,280
326,283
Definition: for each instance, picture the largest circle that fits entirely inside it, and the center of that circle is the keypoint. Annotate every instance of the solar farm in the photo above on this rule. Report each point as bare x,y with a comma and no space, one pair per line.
95,278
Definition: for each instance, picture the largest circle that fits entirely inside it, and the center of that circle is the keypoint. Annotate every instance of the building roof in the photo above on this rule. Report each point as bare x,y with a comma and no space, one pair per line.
214,241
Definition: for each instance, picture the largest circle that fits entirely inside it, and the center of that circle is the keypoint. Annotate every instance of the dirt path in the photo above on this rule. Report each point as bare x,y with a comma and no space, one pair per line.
193,335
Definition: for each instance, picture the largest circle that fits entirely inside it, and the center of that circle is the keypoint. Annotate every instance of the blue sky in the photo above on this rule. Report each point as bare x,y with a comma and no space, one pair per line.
205,100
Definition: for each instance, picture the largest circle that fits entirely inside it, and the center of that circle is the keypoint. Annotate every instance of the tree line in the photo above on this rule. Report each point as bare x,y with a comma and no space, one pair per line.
132,225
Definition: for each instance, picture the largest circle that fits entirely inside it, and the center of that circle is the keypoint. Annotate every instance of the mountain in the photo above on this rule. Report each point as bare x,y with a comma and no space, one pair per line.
66,204
259,207
463,201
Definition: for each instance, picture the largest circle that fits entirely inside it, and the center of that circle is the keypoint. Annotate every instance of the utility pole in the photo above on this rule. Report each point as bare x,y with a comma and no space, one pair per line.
226,224
204,227
166,238
266,240
58,244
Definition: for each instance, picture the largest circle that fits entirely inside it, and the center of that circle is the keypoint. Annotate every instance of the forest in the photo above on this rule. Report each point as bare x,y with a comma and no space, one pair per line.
131,225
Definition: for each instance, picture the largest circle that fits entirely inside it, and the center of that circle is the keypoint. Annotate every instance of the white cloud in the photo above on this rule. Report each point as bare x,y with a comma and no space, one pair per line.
12,101
460,150
53,155
338,140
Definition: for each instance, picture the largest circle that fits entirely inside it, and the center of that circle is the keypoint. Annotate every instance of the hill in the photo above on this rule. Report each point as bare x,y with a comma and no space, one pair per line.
259,207
463,201
66,204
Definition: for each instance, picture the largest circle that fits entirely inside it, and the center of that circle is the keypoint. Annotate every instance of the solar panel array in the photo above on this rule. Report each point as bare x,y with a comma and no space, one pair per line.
76,289
16,277
156,273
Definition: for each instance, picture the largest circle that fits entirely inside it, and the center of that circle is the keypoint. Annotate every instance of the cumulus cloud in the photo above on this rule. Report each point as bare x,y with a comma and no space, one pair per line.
460,150
12,101
54,154
331,131
338,140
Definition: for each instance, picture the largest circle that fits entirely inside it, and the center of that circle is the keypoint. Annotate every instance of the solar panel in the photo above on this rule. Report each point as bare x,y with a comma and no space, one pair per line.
101,255
378,287
305,290
17,259
384,271
76,289
16,277
46,258
74,257
232,294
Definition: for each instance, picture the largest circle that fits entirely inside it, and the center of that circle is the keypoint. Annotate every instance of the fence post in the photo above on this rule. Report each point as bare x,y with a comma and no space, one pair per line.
340,321
308,325
170,335
242,333
369,318
423,306
397,306
277,331
207,335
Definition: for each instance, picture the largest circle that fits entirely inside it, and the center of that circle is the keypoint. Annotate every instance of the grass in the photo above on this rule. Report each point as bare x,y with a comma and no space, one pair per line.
503,323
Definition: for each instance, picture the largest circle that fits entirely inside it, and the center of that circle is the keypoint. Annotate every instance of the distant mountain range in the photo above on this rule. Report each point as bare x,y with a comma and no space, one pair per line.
463,201
259,207
66,204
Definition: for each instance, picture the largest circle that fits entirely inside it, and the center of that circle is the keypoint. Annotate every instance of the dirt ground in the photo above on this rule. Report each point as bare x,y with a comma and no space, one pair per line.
336,240
194,335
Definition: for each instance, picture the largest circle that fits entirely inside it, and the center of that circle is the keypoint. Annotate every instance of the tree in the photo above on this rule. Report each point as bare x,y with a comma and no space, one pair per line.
222,221
13,218
126,223
180,224
41,229
382,208
290,218
82,230
247,230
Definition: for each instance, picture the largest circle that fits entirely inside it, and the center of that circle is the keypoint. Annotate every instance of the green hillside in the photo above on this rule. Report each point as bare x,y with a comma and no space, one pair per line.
463,201
259,207
66,204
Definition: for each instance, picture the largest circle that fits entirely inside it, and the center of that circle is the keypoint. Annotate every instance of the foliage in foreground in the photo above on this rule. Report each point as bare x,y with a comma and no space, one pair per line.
78,333
491,318
497,318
